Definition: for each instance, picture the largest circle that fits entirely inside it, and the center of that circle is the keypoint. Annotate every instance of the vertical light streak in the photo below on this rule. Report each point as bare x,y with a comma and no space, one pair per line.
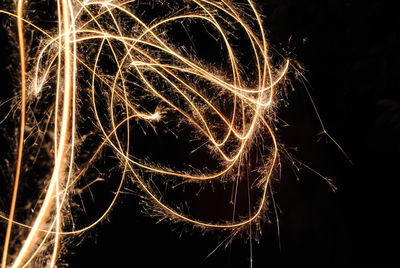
21,42
59,172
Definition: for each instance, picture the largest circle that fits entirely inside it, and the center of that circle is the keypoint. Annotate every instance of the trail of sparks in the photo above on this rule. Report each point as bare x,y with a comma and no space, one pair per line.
22,132
126,68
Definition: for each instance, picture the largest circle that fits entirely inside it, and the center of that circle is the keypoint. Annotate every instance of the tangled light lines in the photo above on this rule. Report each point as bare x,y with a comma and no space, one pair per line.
180,93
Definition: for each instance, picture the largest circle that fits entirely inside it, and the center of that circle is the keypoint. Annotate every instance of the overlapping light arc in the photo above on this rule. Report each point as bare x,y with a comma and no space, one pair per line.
141,57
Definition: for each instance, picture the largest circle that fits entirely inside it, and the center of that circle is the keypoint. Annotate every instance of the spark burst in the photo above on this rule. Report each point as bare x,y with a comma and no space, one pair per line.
106,71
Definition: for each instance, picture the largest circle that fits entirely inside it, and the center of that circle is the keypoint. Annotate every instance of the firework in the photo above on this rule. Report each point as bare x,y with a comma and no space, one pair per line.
110,76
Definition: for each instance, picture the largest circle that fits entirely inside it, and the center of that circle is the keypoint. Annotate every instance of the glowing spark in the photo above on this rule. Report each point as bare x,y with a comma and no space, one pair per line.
106,61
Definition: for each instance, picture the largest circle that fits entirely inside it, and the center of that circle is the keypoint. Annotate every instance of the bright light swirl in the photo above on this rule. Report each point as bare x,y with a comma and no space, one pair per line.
112,62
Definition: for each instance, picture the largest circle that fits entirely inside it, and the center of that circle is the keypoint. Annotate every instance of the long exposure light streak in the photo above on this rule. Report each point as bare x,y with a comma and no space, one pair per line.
126,65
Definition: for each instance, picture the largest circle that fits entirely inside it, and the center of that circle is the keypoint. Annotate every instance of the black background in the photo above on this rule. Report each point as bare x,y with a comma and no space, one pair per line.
350,52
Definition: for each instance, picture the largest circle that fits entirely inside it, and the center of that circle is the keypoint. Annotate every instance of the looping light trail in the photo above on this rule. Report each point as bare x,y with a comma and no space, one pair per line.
111,67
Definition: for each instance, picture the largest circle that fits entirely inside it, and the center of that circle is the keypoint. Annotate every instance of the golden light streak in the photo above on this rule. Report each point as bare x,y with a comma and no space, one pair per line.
107,60
21,134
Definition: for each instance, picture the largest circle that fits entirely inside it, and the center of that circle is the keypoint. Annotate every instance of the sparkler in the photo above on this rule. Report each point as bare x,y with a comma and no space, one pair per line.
109,67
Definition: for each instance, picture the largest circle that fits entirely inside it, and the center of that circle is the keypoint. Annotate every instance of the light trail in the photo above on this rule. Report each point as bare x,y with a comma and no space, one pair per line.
117,62
21,41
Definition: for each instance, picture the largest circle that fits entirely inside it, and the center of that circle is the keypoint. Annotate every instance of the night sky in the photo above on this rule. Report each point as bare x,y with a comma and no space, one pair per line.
350,53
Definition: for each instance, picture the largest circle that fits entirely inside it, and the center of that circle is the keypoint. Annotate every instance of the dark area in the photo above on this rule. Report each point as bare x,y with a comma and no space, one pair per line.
349,50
